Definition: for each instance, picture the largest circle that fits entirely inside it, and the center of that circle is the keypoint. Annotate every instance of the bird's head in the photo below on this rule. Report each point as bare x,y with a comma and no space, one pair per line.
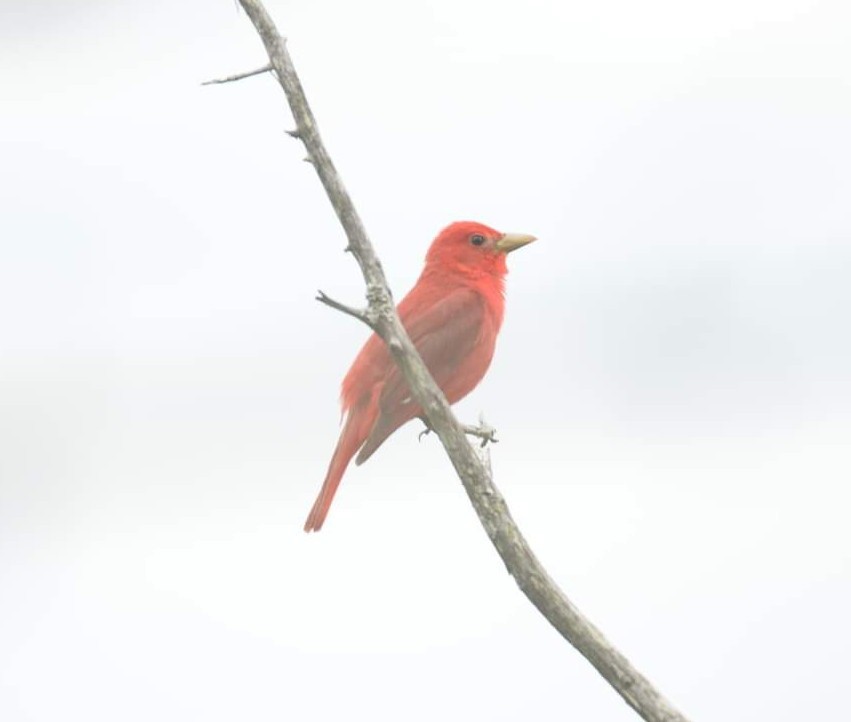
474,248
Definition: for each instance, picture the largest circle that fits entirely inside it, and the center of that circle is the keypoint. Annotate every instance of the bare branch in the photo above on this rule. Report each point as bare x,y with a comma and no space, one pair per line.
363,316
239,76
474,473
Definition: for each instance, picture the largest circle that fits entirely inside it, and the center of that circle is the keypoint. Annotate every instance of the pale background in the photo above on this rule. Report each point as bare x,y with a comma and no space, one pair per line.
671,387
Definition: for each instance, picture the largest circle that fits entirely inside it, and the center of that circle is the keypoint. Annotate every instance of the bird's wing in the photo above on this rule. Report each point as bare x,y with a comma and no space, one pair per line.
448,335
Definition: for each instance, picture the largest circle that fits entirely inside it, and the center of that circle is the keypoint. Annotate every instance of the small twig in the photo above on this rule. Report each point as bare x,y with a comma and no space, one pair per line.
239,76
361,315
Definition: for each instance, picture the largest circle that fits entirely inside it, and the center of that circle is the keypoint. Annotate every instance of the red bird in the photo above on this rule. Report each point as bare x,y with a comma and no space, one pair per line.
452,314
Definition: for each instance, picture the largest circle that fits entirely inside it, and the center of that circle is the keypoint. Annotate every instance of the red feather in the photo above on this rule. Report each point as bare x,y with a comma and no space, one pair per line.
452,314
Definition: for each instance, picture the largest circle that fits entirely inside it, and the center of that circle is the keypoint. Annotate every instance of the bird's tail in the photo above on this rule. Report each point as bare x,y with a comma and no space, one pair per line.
354,432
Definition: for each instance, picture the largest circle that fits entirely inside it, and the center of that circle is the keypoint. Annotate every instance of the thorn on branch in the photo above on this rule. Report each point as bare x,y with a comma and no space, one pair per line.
239,76
294,133
308,159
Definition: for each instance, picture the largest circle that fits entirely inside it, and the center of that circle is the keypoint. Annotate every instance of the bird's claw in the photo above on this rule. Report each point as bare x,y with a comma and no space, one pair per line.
489,439
483,431
487,434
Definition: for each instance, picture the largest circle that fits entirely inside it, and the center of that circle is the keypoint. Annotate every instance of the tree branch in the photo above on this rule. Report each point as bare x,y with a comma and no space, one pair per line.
239,76
363,316
491,508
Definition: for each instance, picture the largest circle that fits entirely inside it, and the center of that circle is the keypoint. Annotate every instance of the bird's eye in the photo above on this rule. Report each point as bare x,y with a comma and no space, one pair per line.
477,239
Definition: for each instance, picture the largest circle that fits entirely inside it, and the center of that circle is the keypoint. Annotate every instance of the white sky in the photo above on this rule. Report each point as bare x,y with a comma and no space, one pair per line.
671,388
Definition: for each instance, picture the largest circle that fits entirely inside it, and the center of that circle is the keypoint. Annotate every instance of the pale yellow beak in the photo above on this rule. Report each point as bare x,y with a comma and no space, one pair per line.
512,241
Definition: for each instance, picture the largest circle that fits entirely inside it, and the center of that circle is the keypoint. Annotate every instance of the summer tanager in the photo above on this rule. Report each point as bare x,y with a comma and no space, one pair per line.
452,314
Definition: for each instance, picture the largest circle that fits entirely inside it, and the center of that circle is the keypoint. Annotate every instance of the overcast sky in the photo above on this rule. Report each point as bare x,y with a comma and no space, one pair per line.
671,386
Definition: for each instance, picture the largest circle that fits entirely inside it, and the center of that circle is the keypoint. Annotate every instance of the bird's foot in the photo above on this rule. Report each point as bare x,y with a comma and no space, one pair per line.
483,431
425,432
